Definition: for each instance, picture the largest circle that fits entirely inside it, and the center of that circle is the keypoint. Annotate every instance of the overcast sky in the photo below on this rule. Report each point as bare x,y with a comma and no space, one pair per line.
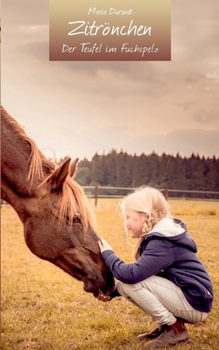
79,108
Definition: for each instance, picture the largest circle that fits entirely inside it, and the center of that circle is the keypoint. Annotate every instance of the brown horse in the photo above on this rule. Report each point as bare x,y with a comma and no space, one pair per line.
58,221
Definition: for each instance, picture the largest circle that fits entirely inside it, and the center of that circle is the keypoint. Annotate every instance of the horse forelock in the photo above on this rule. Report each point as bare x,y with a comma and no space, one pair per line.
74,202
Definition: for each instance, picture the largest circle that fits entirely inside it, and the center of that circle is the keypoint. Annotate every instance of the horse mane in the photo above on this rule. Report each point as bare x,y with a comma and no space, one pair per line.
36,160
71,190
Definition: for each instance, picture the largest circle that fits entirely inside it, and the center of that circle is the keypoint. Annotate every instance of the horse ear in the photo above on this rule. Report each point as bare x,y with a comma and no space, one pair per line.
59,175
73,167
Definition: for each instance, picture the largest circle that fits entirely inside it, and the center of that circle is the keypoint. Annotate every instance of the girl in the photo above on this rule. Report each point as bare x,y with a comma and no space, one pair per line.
167,281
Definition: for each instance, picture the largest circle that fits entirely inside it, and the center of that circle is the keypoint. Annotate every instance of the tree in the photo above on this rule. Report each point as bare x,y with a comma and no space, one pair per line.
165,171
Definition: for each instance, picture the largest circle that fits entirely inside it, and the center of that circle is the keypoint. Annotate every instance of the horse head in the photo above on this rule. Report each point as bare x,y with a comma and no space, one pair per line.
60,228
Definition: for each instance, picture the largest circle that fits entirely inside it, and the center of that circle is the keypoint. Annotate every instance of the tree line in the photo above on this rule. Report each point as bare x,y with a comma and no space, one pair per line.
120,169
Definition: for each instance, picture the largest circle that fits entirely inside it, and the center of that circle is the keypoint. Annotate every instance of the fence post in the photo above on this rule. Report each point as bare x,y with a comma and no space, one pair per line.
96,195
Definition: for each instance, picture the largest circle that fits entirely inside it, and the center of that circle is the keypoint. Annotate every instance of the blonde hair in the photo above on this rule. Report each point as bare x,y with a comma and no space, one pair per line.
151,204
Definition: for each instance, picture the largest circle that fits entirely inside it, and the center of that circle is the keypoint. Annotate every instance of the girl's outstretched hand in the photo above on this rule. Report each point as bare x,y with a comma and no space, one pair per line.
104,245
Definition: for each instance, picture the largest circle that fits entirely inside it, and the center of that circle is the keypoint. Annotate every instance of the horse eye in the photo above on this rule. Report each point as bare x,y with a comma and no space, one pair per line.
76,219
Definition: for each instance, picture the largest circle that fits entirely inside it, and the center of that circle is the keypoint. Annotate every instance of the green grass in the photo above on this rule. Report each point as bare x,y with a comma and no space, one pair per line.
43,308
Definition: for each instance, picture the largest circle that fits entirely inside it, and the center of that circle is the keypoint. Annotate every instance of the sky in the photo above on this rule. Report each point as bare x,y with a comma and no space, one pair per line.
79,108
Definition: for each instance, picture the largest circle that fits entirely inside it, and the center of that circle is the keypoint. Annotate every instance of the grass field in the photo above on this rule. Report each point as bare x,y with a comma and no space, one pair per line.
43,308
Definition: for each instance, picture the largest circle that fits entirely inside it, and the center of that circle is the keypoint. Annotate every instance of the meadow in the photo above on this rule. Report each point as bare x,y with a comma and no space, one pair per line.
43,308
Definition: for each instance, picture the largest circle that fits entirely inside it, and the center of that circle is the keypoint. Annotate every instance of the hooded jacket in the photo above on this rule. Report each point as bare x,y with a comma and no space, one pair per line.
168,251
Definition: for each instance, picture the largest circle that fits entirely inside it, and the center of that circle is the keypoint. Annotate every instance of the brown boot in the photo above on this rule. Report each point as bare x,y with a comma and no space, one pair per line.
173,335
153,334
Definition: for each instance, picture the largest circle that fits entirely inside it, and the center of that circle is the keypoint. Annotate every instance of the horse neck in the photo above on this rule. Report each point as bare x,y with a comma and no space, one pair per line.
18,155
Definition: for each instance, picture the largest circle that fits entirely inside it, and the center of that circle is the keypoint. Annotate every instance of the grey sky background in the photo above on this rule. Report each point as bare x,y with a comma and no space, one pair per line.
79,108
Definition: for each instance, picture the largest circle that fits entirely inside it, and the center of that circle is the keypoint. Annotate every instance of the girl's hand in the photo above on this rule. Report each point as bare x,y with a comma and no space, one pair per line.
104,245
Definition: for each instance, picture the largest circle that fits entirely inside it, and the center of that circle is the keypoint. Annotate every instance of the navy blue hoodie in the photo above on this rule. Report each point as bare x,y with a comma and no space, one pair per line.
170,252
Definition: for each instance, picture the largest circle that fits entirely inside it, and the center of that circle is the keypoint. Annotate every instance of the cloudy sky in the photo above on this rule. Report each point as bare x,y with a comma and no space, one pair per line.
79,108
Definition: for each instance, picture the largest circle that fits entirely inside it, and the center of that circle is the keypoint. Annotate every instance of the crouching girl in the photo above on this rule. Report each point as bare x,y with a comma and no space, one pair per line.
167,281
